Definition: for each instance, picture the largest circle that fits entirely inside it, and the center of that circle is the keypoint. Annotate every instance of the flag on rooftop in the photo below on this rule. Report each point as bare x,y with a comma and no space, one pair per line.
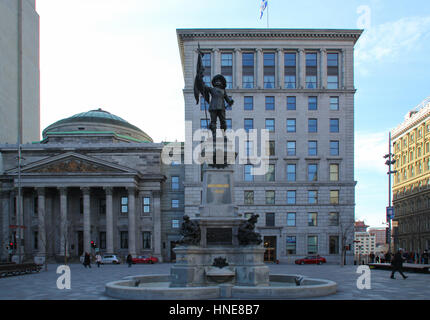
263,7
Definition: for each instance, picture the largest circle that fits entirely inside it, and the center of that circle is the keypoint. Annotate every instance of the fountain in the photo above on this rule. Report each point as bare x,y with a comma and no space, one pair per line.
219,256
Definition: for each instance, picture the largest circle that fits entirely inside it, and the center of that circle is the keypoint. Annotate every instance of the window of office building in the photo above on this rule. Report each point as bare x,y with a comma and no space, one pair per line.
334,103
270,219
334,196
175,203
146,205
291,125
175,183
270,125
312,172
270,103
291,172
206,62
228,124
248,124
270,174
227,68
291,103
175,224
291,245
203,104
124,205
312,197
312,103
291,148
248,70
334,172
102,206
311,70
312,125
204,123
290,70
248,172
334,147
270,197
270,148
332,70
269,70
291,197
249,148
248,103
312,244
333,219
249,197
291,219
334,125
312,148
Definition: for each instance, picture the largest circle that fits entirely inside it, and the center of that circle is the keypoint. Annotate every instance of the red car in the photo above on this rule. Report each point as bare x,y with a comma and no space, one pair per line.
311,260
145,259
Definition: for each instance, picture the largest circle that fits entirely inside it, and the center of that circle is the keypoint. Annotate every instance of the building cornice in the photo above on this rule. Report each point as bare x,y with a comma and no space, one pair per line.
419,113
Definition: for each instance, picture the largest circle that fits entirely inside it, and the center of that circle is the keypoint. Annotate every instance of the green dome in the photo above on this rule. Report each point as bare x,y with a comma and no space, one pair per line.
94,118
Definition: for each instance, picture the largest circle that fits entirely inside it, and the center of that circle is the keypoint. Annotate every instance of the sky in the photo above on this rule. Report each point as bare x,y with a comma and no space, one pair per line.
122,56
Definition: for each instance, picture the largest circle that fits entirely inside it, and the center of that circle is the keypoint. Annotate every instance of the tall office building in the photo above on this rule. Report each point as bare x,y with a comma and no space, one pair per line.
411,185
19,71
299,85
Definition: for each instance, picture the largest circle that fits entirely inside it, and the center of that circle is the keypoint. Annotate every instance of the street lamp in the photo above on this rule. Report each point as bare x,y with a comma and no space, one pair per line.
390,161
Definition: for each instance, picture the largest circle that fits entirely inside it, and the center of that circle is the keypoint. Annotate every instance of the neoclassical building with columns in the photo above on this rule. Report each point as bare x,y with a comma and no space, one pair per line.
93,178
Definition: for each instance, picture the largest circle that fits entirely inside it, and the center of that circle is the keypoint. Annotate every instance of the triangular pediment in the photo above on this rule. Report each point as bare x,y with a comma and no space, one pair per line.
73,163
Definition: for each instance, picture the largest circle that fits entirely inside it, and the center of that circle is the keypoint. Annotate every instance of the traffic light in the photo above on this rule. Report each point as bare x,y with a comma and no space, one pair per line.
11,245
93,245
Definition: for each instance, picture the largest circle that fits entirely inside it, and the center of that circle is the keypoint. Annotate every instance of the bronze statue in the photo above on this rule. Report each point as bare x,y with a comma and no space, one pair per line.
214,96
246,233
190,231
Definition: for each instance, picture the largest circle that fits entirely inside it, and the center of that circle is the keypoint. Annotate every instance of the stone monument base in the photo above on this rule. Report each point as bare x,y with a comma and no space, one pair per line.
194,266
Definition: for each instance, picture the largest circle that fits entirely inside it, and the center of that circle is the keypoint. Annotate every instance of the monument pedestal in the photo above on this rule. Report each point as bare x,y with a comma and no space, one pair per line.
196,265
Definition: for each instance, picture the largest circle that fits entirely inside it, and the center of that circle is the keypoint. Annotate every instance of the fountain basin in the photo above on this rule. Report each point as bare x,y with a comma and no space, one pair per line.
157,287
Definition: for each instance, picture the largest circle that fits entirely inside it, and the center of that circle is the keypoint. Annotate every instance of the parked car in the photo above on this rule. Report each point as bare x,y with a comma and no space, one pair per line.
145,259
311,260
111,259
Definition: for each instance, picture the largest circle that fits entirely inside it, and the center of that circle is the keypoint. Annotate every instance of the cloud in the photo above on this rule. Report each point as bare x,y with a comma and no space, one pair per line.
370,147
390,40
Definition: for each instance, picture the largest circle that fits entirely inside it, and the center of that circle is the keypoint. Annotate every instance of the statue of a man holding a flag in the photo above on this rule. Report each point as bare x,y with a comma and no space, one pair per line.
214,96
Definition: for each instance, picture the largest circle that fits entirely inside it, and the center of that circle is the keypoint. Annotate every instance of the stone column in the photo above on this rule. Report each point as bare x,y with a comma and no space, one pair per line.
280,68
259,68
216,62
132,221
87,219
5,221
63,220
302,69
323,69
157,224
237,73
109,220
41,206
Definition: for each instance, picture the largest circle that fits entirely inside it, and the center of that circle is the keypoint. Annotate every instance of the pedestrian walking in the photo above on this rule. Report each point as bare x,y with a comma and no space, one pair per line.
425,256
98,260
397,264
87,260
129,260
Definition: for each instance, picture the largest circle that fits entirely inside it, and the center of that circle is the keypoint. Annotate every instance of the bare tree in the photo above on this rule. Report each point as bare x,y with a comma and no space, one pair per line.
345,230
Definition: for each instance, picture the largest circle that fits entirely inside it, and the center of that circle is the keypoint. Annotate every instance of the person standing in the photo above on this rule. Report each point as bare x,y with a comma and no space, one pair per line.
397,264
425,257
87,260
98,260
129,260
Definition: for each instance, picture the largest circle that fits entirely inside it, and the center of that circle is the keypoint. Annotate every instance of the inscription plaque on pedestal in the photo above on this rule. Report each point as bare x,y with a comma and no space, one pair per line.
219,236
218,189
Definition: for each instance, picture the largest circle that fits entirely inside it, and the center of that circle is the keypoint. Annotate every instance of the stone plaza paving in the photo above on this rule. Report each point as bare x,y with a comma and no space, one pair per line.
89,284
